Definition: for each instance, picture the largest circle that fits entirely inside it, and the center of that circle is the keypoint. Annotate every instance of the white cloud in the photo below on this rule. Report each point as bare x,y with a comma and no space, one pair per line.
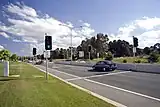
4,34
146,29
31,27
16,40
21,10
86,24
1,47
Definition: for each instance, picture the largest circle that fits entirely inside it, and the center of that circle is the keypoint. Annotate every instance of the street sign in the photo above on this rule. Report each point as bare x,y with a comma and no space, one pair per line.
47,54
81,54
134,49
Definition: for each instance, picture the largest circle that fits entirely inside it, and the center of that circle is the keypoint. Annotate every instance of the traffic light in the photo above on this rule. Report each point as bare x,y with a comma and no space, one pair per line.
89,48
135,41
48,42
34,51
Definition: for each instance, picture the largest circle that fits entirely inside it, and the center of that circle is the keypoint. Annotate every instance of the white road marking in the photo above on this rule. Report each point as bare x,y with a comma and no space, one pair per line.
67,73
85,90
107,74
72,79
97,75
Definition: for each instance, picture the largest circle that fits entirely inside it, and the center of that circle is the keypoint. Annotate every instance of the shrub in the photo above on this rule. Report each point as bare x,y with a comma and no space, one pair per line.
124,61
108,56
153,57
137,61
159,59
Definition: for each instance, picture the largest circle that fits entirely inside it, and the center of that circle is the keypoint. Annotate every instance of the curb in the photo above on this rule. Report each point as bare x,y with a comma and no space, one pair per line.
85,90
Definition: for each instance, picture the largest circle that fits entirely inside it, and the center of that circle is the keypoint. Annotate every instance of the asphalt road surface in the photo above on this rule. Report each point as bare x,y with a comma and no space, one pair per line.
143,83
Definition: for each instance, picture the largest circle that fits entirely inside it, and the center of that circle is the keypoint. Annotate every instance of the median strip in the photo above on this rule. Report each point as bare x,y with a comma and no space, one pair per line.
28,91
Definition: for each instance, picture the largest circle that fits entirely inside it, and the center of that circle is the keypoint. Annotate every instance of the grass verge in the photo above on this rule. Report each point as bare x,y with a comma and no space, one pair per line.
32,90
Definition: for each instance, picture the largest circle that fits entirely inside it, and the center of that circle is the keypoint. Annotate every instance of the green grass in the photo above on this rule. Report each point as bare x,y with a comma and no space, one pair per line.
97,59
29,91
130,59
1,69
120,59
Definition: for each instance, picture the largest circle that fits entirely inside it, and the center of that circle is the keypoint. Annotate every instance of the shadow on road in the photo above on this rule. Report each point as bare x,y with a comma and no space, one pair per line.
7,79
98,72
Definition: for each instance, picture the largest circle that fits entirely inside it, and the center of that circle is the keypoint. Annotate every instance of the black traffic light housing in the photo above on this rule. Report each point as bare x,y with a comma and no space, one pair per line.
34,51
48,42
89,48
135,41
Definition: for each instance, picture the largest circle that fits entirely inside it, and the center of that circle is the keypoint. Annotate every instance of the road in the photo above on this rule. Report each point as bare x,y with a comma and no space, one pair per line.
135,88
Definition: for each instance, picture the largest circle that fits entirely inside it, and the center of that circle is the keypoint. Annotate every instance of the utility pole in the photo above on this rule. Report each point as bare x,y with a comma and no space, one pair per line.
89,49
71,29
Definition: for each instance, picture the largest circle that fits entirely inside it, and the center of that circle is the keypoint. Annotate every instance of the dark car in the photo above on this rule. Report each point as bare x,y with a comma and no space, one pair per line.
105,66
39,62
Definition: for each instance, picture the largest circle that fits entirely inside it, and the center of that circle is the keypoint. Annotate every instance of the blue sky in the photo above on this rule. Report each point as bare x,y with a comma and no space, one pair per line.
114,17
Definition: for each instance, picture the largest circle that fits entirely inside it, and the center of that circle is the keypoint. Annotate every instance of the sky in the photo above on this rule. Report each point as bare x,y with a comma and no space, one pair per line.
23,23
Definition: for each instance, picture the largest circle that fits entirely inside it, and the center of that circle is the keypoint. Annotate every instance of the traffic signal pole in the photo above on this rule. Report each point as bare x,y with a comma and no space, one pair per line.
48,46
135,44
46,65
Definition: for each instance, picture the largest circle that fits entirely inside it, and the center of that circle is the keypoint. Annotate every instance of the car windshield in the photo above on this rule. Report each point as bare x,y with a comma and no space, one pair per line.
108,62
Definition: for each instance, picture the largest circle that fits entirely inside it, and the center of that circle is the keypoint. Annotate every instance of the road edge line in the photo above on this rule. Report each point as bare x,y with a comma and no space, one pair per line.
85,90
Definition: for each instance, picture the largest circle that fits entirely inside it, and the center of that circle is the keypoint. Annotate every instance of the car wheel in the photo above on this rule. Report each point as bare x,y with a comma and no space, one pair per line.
113,69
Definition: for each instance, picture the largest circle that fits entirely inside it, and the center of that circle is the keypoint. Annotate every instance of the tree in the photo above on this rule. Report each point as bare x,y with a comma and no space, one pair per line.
153,57
120,48
4,55
108,56
146,50
157,47
13,57
99,45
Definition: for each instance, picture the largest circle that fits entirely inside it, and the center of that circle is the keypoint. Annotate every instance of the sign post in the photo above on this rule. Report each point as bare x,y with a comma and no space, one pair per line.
134,51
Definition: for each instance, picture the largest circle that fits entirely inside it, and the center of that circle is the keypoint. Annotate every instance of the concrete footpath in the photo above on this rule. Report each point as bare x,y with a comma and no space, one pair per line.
118,96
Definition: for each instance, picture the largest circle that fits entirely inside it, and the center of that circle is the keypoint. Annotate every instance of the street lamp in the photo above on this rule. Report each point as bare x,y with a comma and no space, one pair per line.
71,28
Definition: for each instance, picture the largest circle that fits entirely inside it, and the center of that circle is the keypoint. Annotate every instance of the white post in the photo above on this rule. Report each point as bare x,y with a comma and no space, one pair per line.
89,55
97,55
46,64
6,68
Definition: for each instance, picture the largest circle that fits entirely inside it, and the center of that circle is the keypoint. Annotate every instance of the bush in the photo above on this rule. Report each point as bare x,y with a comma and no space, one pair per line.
153,57
108,56
159,59
137,61
124,61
